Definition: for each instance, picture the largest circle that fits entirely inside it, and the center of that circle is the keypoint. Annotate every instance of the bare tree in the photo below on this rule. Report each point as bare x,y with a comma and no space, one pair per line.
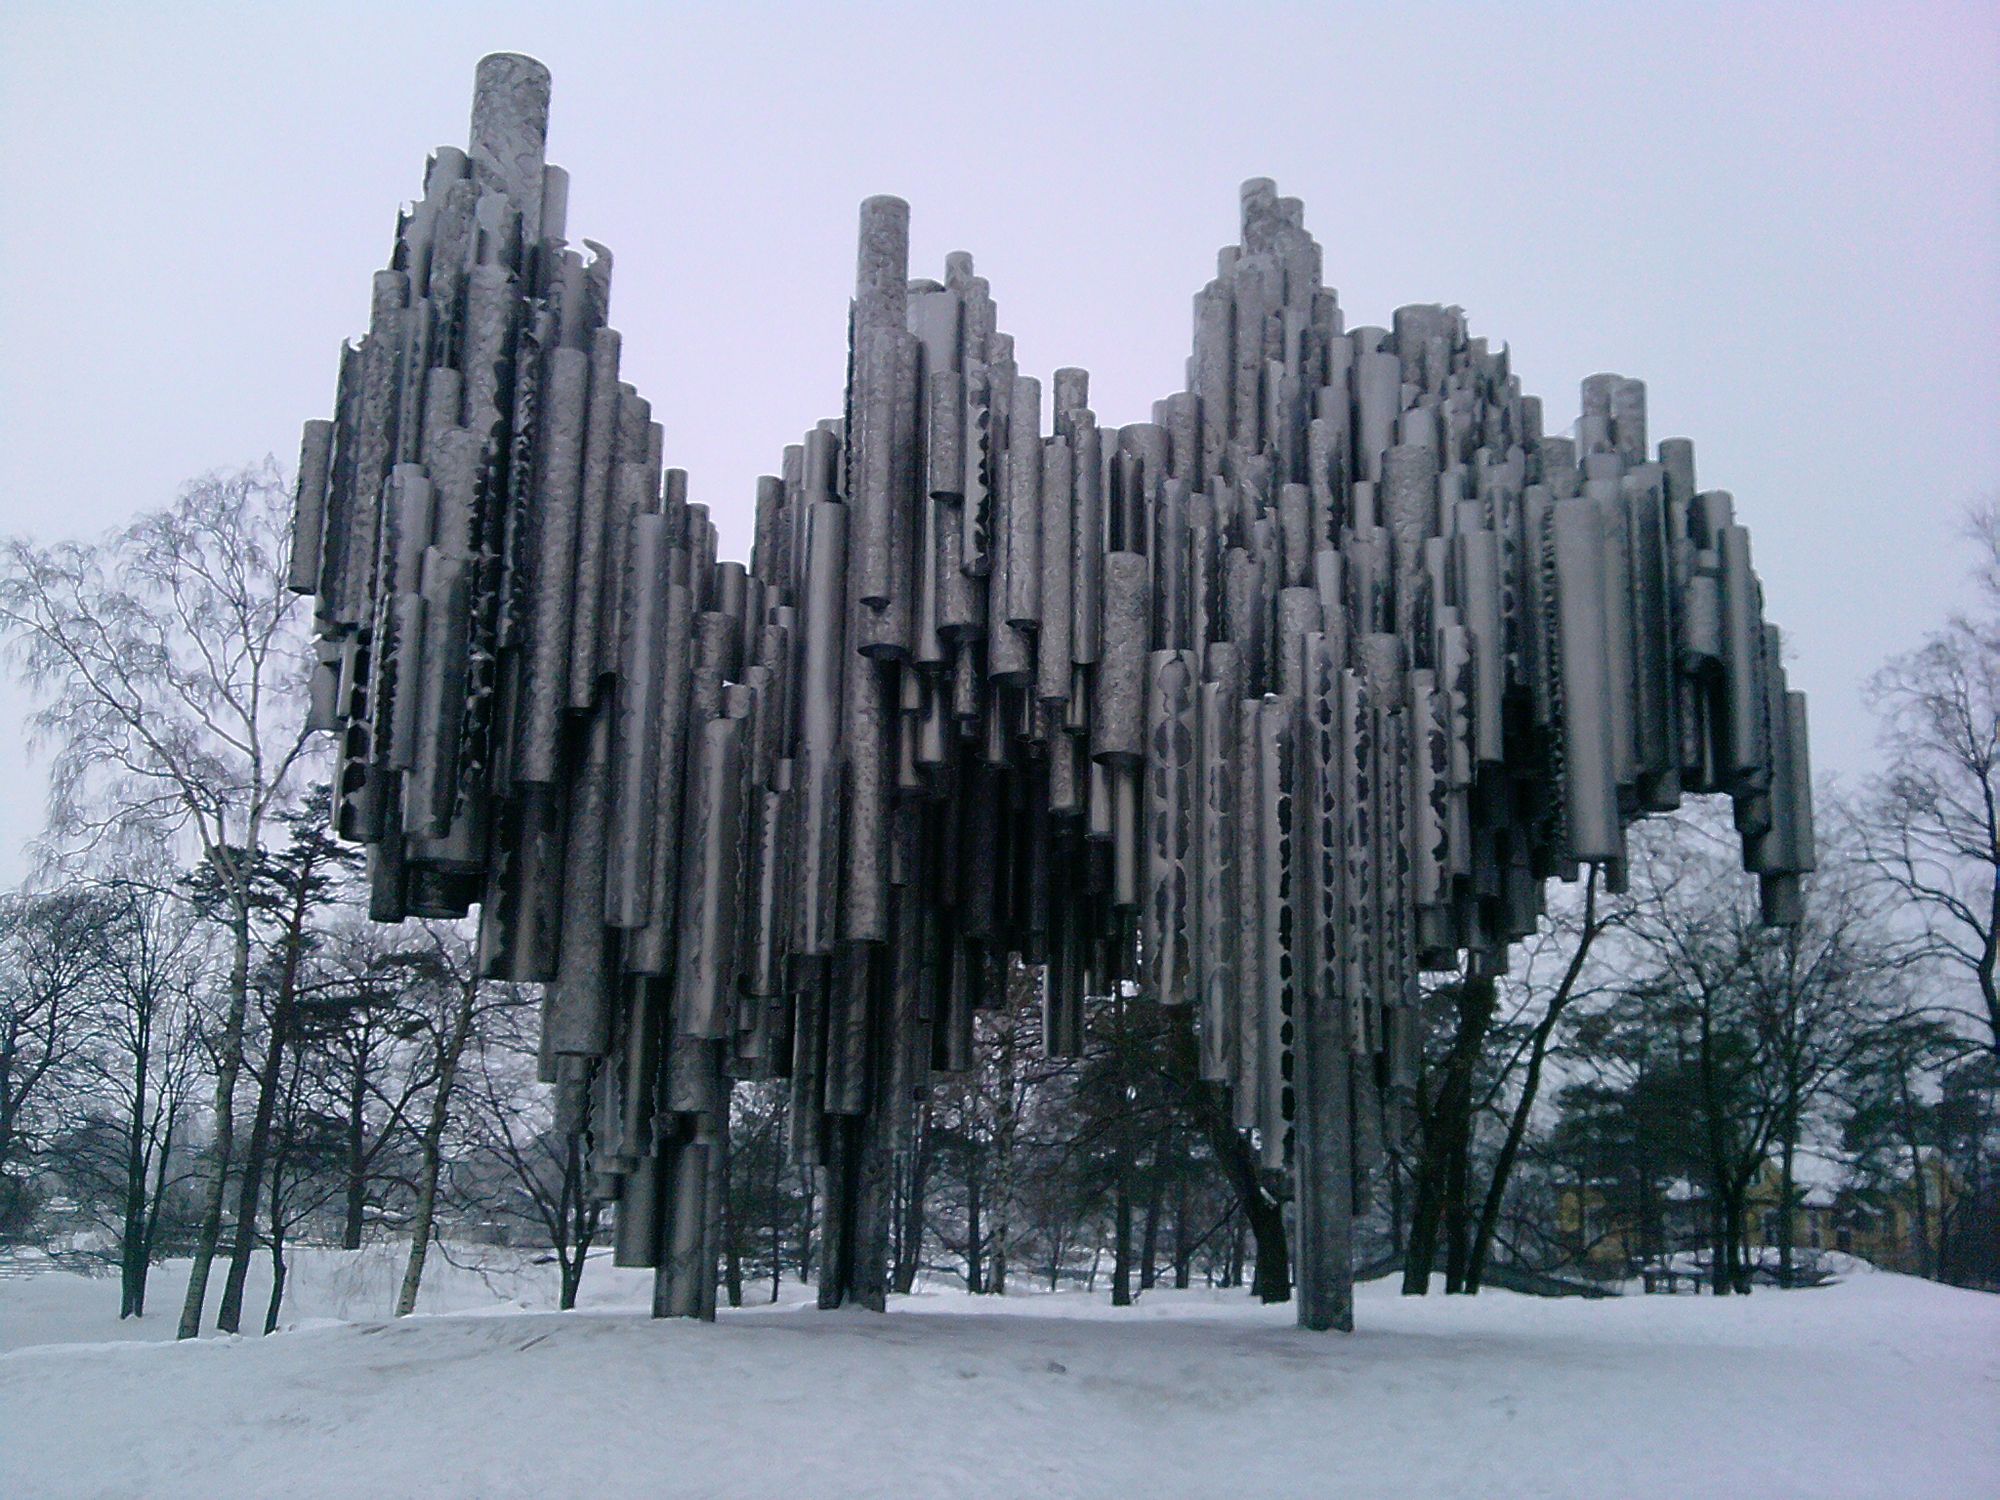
1568,939
1445,1110
770,1195
442,1024
1776,1015
355,1021
516,1164
966,1184
52,949
294,890
304,1143
156,965
909,1189
1890,1123
170,662
1933,828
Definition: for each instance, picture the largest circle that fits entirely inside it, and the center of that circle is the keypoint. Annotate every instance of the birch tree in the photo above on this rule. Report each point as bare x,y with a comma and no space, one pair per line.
445,1011
170,664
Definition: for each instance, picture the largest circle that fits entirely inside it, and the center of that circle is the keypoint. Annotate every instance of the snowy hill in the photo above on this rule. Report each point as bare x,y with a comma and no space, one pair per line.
1877,1386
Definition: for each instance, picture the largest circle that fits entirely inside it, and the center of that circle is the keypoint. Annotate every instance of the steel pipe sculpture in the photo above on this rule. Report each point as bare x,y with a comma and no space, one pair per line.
1263,707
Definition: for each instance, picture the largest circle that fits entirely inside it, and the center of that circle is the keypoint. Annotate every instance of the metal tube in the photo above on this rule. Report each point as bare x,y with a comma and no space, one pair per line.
1168,913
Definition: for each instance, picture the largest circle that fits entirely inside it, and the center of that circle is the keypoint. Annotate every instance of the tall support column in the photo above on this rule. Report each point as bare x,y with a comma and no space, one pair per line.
1323,1164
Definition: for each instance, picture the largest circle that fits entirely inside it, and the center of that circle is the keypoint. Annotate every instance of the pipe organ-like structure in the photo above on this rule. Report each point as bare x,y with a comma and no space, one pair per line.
1264,707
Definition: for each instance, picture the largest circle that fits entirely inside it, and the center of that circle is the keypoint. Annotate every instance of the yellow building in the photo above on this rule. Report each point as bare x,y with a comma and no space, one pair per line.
1898,1228
1880,1224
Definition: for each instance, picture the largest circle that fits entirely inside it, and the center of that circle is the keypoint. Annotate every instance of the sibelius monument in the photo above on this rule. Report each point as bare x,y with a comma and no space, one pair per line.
1263,707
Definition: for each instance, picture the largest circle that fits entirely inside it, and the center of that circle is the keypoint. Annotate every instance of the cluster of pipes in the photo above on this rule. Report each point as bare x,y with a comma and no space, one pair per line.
1264,707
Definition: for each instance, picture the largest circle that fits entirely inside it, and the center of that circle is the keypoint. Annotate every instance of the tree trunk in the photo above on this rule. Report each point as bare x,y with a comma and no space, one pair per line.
277,1280
578,1218
1733,1265
1923,1261
1149,1236
1785,1180
131,1261
1517,1124
1510,1150
1728,1202
1183,1249
357,1155
250,1189
1210,1108
1920,1201
1739,1235
1420,1248
1006,1128
1262,1214
7,1053
132,1229
132,1247
1398,1241
1732,1238
420,1223
153,1210
1652,1219
229,1063
1121,1246
1447,1136
805,1239
973,1247
1274,1268
1988,966
1457,1246
732,1253
277,1298
911,1247
449,1055
777,1220
1719,1247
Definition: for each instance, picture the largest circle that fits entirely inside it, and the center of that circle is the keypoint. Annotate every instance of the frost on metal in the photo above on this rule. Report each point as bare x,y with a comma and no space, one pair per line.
1263,707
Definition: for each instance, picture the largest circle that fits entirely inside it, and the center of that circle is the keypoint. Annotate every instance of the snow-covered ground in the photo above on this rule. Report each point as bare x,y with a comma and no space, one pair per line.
1879,1385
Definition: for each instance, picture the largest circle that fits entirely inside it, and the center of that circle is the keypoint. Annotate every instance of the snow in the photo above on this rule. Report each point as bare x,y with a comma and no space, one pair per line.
1879,1385
320,1285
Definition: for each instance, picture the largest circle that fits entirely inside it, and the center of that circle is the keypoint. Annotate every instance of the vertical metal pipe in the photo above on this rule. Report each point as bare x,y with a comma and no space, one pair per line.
636,741
1590,791
1116,731
1053,647
545,689
1022,586
579,1019
650,949
1219,914
819,769
593,538
705,961
1168,913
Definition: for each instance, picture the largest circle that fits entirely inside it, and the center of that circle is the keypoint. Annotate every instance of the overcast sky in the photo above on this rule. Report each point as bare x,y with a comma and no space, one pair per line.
1784,219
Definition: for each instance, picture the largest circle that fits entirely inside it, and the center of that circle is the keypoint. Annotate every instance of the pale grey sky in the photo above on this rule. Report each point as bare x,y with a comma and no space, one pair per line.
1783,218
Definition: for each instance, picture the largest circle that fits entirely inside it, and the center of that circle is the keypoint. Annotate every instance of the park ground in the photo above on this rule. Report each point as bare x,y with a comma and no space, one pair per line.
1876,1385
